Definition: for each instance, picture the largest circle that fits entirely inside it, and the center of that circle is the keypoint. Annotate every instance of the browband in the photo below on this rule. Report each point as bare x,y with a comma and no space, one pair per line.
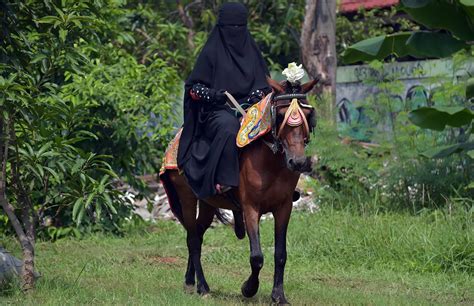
289,97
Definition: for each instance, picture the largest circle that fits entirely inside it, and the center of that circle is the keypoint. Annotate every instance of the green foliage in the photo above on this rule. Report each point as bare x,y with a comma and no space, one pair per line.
451,109
372,23
440,117
417,44
86,106
392,173
135,108
451,16
437,118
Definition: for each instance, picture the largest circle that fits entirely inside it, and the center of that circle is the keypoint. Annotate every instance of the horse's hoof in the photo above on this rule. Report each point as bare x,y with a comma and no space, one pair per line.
279,300
203,290
189,289
249,292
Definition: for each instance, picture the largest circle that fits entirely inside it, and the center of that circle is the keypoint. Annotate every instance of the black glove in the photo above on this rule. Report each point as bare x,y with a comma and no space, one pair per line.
220,97
208,95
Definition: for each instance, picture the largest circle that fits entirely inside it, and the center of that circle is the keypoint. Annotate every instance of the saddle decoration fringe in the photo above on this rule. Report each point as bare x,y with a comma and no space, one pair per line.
256,123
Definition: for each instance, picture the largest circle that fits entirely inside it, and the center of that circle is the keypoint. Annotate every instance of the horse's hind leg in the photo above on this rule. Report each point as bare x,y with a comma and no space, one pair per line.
195,231
189,207
204,220
252,218
282,217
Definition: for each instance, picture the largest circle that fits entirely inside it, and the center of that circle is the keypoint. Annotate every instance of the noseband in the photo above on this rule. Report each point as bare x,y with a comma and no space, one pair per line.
294,117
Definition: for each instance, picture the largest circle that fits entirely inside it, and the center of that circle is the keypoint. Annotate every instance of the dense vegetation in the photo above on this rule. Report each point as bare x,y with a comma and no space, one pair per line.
422,158
405,167
90,95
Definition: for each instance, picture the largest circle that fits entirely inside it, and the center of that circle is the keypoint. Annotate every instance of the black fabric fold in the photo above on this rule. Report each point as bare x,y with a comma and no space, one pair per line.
230,60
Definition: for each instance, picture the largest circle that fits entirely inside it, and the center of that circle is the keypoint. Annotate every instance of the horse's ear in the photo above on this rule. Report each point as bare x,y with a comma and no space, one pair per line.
277,87
309,85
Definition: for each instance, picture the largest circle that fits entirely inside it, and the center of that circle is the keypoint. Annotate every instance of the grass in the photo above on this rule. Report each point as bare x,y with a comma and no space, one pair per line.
333,258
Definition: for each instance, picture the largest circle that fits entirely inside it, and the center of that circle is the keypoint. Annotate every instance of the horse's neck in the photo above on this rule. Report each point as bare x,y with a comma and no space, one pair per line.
264,173
262,159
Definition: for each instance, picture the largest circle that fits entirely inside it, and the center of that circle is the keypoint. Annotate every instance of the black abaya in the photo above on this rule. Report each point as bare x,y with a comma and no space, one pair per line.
231,61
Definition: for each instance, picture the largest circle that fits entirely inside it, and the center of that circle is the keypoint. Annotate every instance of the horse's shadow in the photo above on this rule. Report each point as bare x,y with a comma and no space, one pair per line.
237,297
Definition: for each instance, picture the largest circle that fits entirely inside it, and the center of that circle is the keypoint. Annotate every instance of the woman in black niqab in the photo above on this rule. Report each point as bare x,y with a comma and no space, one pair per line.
230,61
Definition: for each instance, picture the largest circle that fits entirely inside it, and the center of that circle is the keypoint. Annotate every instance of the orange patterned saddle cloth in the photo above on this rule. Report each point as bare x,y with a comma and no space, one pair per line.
254,125
170,160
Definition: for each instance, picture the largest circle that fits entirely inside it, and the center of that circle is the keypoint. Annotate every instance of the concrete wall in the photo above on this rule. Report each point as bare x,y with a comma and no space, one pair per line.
419,79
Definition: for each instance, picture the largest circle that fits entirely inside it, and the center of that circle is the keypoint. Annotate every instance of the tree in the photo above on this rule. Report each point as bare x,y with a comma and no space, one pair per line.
318,46
76,108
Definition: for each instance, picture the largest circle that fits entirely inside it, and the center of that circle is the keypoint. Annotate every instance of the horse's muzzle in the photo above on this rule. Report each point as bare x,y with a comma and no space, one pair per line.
299,164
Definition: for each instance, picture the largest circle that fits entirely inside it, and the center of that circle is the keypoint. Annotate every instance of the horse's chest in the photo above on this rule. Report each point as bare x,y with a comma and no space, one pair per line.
269,191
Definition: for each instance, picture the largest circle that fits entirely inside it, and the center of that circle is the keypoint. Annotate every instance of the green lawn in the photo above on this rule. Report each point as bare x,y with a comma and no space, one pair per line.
333,258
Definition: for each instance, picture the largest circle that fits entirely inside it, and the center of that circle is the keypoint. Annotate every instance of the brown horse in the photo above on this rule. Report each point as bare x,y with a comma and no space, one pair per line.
269,171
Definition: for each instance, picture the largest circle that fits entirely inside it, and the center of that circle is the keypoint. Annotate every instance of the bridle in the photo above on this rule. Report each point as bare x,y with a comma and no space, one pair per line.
294,117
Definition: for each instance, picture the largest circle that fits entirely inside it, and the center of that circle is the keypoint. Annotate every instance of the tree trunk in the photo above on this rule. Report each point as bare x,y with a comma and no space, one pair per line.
318,48
28,270
188,23
25,234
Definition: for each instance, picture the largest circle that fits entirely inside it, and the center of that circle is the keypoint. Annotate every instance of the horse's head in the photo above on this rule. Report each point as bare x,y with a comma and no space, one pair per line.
293,120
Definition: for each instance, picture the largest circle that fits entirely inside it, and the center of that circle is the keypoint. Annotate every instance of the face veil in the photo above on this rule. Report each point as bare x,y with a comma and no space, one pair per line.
230,59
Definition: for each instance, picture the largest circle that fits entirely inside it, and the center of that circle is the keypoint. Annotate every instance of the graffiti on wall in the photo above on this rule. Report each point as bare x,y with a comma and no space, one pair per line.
352,88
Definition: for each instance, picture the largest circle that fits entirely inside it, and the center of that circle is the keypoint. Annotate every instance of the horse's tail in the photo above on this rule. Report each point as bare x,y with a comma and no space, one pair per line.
222,216
175,204
239,227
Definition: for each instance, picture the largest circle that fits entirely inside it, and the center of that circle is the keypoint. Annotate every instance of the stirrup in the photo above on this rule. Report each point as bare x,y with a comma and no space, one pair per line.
225,189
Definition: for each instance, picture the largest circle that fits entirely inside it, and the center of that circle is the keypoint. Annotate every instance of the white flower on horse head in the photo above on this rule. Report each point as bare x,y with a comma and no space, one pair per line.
294,72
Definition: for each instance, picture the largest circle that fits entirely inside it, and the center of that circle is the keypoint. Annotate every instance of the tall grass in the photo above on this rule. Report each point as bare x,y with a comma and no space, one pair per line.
334,257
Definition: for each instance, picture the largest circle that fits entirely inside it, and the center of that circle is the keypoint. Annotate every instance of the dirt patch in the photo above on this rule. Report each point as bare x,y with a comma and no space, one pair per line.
163,260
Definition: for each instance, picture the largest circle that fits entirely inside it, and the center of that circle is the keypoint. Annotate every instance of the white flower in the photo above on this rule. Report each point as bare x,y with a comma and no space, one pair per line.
294,72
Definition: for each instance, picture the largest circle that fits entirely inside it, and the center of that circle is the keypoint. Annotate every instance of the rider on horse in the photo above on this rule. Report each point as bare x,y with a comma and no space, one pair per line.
230,61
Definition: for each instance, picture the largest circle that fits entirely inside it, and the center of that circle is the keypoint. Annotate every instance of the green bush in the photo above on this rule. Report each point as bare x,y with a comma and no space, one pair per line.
81,111
392,172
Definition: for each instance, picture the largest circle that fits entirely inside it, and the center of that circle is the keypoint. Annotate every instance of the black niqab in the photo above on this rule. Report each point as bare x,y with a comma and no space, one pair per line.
230,60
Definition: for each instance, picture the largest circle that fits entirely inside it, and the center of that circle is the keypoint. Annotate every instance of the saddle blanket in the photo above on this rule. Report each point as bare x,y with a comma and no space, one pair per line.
256,123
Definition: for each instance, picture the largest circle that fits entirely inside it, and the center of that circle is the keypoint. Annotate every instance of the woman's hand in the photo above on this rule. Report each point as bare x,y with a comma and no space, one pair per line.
220,97
200,92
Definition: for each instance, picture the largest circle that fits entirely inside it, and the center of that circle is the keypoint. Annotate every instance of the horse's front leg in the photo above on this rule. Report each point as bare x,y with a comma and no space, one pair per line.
252,219
282,217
